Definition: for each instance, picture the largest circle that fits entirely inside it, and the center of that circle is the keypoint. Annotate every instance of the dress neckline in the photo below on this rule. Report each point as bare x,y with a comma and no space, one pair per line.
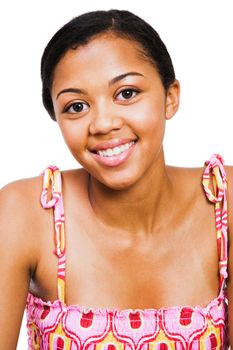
98,311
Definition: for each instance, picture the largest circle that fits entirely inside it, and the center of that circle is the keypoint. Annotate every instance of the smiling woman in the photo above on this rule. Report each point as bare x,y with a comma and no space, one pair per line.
116,105
131,233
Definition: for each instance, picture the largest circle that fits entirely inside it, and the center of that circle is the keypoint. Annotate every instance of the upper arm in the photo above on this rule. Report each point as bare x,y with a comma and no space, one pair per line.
17,261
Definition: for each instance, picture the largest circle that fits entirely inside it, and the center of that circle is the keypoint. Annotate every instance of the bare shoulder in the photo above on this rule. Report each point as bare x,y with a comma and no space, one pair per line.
20,217
21,188
75,186
20,198
77,176
187,179
186,173
21,210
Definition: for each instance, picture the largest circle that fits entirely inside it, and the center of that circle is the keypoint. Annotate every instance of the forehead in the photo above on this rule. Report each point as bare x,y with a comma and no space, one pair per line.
104,56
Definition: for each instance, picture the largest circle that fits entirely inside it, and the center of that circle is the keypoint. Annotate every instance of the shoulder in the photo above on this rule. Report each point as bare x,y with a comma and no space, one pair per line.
20,195
24,194
187,181
75,184
20,217
79,175
21,184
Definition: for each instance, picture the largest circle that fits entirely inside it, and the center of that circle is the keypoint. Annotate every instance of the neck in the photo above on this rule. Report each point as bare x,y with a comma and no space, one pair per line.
140,209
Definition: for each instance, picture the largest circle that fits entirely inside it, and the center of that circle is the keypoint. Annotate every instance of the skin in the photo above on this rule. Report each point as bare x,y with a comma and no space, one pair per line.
164,252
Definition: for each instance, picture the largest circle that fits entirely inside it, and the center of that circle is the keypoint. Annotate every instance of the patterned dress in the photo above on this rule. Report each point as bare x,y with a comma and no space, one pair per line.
57,326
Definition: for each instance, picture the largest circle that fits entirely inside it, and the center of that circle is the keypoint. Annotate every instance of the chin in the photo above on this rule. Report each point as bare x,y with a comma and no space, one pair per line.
119,183
116,179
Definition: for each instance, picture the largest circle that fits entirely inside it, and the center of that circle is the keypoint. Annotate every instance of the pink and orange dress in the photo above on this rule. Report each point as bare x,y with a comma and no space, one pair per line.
57,326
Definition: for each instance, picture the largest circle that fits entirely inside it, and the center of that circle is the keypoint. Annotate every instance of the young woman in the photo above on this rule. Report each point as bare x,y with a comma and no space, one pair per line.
142,249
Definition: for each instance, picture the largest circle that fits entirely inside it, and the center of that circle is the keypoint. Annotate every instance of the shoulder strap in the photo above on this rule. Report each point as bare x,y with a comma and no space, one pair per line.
52,174
215,173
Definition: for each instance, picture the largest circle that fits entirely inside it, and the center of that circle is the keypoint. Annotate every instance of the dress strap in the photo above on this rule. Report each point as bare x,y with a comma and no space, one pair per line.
215,175
52,173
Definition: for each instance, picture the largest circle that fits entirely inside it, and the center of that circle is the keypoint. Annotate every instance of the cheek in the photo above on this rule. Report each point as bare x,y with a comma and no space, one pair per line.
149,117
74,134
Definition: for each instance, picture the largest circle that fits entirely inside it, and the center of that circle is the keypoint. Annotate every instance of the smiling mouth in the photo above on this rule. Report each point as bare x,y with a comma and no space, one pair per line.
115,151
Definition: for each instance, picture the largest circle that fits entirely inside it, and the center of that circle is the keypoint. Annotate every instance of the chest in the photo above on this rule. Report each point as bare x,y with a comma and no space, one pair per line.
176,266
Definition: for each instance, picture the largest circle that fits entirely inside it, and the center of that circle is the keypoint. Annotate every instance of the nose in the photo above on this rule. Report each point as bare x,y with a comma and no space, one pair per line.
105,119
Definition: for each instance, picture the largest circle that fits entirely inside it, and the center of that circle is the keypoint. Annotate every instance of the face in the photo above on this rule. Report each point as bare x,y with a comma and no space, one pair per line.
111,107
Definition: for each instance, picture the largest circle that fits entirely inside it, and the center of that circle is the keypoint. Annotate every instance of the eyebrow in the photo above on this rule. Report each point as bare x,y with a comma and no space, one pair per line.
122,76
111,82
73,90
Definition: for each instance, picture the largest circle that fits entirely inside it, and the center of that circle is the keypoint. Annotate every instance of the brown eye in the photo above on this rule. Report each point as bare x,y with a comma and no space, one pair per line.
76,107
127,94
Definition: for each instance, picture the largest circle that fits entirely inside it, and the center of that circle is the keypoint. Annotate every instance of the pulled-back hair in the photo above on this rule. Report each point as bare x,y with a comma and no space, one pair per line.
80,30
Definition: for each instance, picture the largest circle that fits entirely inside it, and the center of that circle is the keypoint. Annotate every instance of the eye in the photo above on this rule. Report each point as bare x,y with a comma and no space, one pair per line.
127,94
76,107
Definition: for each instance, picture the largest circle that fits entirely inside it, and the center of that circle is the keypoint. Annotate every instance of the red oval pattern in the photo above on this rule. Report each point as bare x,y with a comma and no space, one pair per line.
60,344
135,320
163,346
87,319
186,316
111,347
213,341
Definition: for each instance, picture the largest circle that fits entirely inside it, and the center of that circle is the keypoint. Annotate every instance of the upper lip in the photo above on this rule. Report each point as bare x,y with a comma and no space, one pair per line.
110,144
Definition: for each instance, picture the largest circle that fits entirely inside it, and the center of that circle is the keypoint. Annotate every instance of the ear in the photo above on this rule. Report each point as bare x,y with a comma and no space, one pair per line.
172,99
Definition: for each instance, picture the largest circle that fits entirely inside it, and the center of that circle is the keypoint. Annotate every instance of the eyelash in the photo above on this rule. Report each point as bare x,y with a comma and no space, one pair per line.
66,110
134,91
129,89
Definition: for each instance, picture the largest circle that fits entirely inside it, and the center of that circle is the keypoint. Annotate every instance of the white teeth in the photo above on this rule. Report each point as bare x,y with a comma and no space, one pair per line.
116,150
109,152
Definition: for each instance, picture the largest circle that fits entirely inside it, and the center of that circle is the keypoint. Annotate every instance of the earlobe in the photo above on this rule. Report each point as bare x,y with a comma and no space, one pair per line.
172,99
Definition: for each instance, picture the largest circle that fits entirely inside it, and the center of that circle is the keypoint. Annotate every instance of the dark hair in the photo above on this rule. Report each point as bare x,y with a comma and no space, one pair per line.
80,30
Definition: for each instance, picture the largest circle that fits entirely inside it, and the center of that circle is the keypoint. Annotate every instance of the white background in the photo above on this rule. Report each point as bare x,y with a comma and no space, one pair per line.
199,37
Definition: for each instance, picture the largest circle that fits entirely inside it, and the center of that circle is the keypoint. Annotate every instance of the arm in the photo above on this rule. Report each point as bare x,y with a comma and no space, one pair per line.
17,262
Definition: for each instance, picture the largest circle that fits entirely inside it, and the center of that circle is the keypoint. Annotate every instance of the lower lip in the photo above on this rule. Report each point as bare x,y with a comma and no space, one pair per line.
116,160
